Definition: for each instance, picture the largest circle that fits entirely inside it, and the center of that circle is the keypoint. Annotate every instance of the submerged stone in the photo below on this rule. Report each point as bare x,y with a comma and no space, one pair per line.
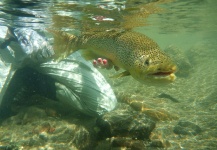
159,143
123,122
41,131
187,128
129,143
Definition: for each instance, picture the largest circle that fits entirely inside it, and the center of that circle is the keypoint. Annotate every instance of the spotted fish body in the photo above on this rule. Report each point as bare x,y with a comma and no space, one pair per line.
134,52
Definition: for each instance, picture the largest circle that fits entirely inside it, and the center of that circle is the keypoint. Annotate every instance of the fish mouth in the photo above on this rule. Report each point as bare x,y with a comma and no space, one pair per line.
163,73
169,75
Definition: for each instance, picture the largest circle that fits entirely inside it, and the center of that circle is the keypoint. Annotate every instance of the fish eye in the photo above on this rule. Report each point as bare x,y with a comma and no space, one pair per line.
147,62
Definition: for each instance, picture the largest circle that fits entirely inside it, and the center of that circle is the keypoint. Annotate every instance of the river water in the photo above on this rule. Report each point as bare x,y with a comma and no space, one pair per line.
185,29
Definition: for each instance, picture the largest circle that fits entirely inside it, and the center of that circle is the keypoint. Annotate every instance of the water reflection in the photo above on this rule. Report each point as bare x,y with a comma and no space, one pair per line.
76,14
34,14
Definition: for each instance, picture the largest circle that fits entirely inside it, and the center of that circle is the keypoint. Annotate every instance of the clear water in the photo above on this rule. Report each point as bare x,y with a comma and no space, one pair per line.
185,28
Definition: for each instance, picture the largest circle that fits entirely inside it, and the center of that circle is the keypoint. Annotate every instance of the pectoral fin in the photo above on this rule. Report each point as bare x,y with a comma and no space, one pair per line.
122,74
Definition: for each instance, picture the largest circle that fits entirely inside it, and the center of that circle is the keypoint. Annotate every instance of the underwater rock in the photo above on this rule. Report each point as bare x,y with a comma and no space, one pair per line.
75,134
155,114
159,143
41,131
129,143
43,136
119,143
25,116
12,146
142,107
124,122
186,128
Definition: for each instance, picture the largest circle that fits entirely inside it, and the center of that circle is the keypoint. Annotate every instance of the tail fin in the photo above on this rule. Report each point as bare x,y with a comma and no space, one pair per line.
64,44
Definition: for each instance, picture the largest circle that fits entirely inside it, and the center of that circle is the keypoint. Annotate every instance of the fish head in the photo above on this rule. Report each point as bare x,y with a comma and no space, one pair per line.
153,64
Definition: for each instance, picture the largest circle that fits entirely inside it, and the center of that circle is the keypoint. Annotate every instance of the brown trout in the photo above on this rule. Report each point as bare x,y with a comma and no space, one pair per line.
134,52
